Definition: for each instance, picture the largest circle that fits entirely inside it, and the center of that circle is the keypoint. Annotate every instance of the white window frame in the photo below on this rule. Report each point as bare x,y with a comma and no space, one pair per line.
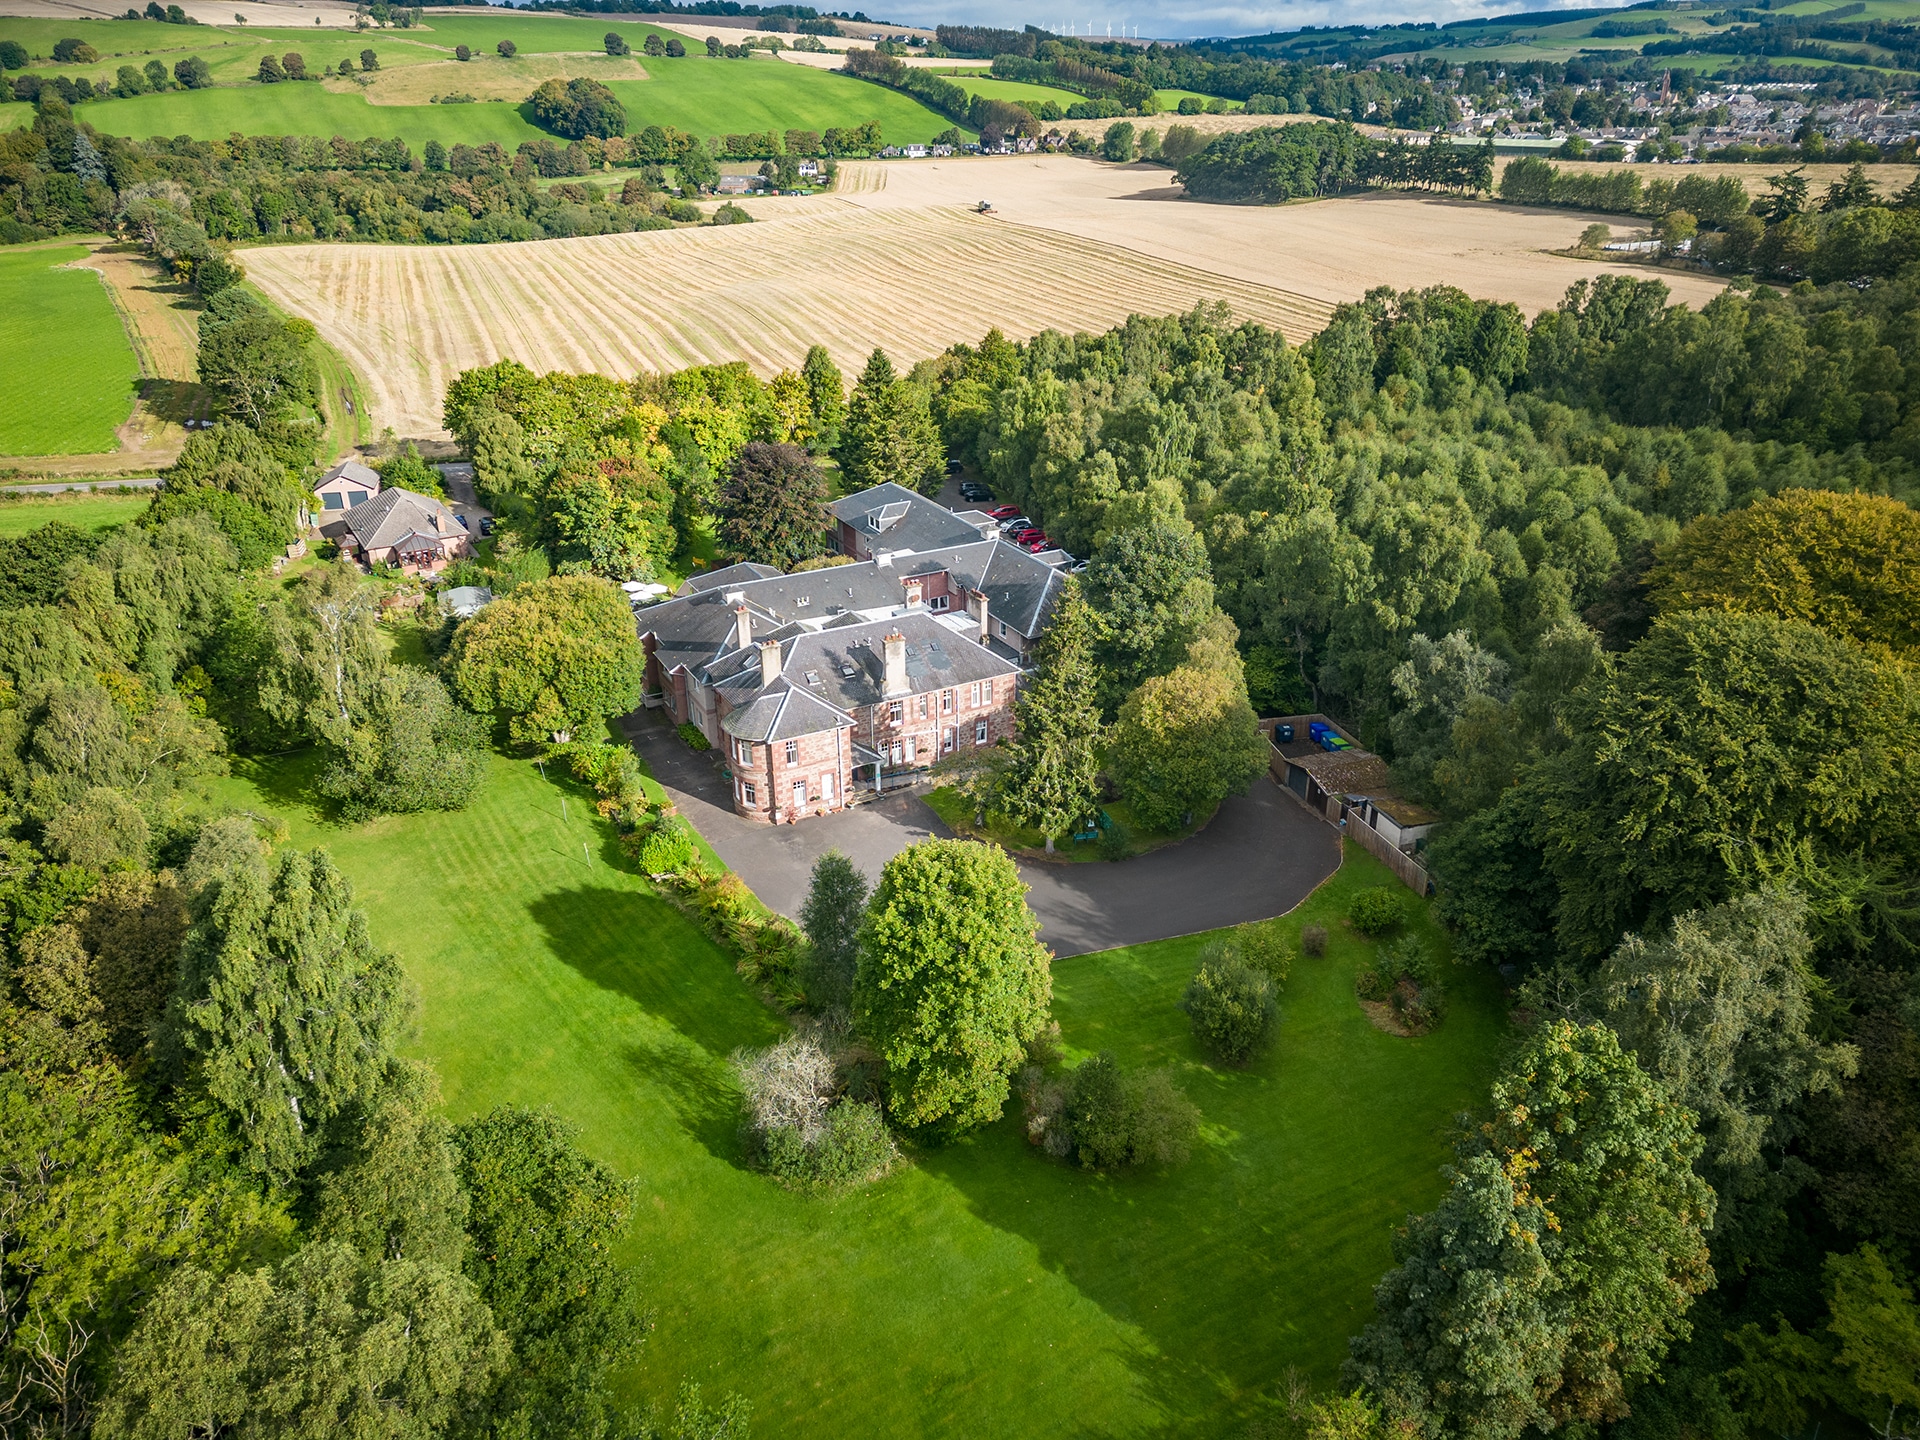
947,741
749,796
800,794
980,731
895,712
793,752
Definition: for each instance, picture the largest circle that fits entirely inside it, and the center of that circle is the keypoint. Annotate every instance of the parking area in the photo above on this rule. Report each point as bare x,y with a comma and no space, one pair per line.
1262,855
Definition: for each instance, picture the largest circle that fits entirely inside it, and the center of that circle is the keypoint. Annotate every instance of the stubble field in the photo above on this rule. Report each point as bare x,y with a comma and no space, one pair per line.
896,259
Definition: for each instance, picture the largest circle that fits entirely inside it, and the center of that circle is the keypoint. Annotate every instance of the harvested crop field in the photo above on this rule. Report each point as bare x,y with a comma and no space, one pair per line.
897,259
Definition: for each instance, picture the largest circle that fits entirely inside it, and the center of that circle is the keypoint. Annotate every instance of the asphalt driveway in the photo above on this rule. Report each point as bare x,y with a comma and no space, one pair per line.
1259,858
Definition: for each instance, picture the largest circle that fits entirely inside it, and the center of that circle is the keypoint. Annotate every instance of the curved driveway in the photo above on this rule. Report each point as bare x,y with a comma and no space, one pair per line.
1262,855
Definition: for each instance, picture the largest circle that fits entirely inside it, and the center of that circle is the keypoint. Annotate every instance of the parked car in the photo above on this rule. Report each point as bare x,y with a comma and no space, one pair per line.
464,525
1037,544
974,490
1013,527
486,524
1003,512
953,467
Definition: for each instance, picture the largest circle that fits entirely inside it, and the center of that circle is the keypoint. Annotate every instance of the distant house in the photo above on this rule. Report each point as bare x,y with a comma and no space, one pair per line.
346,485
808,169
417,533
916,152
737,185
890,152
940,152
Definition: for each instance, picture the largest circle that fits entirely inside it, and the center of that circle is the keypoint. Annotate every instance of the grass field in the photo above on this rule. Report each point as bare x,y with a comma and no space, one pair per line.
705,96
67,372
84,509
981,1291
1015,90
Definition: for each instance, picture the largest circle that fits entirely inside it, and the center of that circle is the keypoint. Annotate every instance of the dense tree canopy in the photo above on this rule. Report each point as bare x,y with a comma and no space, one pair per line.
552,659
951,983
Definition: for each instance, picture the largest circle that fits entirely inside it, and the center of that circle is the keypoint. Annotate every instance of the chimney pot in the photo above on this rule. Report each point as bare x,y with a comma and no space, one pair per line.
742,627
769,661
977,607
894,671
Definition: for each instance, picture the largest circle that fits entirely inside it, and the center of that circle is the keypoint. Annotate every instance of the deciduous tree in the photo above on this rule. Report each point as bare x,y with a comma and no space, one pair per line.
951,983
770,507
285,1015
554,658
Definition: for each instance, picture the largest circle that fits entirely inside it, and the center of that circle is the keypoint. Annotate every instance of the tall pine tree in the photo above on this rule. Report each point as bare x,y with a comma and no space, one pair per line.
890,434
1052,779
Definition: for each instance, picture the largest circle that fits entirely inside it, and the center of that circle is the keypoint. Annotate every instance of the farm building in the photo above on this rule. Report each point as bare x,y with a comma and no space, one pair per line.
819,682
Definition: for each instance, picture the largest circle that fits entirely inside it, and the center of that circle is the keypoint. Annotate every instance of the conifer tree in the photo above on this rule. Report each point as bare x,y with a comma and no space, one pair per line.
1053,777
826,396
889,433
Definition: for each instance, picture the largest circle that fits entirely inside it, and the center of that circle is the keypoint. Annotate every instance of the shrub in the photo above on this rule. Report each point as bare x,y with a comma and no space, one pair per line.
1231,1005
507,49
667,848
1107,1118
1405,976
1313,940
462,53
796,1128
1374,911
1264,946
612,770
691,733
1115,842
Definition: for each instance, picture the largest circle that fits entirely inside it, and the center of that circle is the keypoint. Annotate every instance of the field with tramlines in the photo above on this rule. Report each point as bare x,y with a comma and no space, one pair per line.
897,259
411,317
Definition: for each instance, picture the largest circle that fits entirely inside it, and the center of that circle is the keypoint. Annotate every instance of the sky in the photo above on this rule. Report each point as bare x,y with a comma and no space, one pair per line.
1170,20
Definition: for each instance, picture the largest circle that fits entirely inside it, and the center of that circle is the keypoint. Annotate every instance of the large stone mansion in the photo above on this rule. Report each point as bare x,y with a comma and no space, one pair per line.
815,682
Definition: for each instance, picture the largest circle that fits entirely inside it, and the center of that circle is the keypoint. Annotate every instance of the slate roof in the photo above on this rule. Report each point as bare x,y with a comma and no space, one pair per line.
727,577
893,517
354,472
785,712
693,629
390,517
844,666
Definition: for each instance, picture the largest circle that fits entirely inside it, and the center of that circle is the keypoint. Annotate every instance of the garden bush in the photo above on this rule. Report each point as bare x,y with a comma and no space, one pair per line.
1107,1118
667,848
1231,1004
613,771
691,733
795,1126
1374,911
1405,976
1263,945
1313,940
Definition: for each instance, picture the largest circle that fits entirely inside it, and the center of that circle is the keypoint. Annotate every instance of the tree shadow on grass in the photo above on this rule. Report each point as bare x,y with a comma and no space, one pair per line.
1109,1238
705,1104
636,945
285,781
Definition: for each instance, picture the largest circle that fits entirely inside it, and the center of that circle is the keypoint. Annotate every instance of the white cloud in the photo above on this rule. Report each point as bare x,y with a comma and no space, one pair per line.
1183,22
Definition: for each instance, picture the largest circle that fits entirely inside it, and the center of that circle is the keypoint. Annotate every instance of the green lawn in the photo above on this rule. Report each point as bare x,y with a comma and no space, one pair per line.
67,372
1016,90
85,509
708,97
982,1290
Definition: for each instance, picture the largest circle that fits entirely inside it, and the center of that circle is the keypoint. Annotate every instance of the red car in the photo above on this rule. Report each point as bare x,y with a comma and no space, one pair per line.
1037,544
1004,512
1021,537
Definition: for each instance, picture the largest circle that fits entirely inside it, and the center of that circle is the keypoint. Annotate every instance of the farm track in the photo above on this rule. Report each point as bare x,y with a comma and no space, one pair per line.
912,281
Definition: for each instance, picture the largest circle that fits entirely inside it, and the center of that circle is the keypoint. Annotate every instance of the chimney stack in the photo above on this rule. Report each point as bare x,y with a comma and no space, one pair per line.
769,662
977,607
742,627
895,672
